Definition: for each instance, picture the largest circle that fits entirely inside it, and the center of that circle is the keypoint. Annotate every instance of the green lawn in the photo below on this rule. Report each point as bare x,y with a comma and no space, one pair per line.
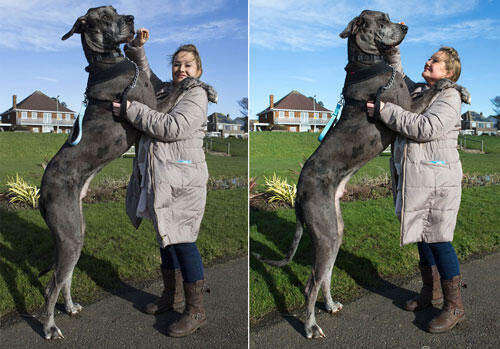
370,254
24,153
284,153
114,252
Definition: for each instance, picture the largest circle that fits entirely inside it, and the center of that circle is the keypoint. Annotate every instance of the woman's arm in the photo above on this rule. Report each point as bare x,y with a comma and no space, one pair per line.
188,116
441,116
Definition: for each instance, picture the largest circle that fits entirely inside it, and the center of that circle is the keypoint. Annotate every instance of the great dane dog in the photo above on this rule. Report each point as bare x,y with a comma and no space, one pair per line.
346,148
105,138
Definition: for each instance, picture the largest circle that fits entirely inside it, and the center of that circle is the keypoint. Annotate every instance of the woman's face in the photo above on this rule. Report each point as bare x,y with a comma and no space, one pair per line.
184,65
435,69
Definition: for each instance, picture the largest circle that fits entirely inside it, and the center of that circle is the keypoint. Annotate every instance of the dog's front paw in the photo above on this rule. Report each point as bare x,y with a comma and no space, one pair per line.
443,84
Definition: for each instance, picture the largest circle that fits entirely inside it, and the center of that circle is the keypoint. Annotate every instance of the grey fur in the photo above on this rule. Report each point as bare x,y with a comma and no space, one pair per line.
345,149
69,173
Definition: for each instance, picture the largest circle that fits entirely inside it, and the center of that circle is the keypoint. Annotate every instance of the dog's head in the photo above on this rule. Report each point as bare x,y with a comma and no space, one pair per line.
374,32
103,28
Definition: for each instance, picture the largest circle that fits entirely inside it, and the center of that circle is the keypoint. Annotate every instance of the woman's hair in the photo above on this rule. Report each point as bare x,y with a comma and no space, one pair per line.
452,62
192,49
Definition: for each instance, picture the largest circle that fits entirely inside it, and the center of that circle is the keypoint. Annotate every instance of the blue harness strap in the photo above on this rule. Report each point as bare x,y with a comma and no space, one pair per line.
332,119
76,134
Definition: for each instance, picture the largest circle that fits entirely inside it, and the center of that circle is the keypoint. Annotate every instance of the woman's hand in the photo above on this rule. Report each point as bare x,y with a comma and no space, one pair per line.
117,107
370,107
141,37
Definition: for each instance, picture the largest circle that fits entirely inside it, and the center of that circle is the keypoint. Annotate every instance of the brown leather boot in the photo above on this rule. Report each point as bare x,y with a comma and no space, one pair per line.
172,296
194,316
453,309
430,294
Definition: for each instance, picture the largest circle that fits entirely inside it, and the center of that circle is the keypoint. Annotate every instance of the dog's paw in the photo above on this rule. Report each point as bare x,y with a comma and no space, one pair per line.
443,84
315,332
334,308
53,332
75,309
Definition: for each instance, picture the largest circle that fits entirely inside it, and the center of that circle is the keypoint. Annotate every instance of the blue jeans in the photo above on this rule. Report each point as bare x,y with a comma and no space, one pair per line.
441,254
184,256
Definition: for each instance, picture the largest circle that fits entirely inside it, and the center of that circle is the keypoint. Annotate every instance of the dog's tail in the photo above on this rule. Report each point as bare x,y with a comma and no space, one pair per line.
295,243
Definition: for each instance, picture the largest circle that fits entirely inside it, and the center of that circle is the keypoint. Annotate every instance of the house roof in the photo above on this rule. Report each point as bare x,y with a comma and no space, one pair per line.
223,119
296,101
40,101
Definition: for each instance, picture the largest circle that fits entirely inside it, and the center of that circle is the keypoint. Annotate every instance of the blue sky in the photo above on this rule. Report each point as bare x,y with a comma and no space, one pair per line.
35,58
294,45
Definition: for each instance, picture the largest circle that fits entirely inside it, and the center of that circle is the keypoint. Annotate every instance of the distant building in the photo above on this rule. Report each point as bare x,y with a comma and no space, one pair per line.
476,124
38,113
221,125
294,113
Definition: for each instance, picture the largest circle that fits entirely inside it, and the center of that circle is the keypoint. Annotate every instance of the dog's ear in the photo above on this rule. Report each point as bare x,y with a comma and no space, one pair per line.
352,27
79,25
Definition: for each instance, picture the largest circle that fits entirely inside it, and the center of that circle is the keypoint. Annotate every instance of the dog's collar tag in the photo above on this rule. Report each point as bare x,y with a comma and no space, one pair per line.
333,119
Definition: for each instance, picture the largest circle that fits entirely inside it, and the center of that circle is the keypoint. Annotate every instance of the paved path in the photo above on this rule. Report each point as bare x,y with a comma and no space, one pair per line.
378,321
115,322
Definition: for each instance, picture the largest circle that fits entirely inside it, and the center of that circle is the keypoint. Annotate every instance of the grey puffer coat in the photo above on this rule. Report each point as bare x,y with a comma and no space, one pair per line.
169,178
425,165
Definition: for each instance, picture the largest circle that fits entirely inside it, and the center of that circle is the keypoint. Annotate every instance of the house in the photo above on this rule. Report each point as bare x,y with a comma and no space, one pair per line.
294,113
38,113
221,125
476,124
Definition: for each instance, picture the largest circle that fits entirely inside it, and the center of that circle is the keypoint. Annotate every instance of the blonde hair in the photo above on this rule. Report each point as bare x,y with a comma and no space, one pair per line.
452,62
191,49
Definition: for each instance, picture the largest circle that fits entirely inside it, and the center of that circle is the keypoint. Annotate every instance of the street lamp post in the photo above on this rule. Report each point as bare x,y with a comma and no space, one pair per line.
57,114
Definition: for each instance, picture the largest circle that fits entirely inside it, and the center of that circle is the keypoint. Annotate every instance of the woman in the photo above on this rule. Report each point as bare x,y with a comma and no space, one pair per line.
427,173
168,183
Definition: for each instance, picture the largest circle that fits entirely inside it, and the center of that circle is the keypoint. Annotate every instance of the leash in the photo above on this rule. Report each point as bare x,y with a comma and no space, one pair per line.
354,78
333,119
117,69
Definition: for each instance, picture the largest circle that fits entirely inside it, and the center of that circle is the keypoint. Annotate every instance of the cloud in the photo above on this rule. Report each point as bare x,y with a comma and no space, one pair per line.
234,28
303,78
44,78
299,25
31,25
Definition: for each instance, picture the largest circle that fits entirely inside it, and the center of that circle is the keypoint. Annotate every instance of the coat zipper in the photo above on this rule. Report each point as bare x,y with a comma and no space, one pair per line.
405,151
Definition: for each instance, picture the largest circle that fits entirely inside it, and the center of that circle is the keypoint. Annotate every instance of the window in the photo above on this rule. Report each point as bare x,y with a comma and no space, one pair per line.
24,115
291,114
68,116
36,130
281,114
47,118
59,116
316,115
324,116
33,116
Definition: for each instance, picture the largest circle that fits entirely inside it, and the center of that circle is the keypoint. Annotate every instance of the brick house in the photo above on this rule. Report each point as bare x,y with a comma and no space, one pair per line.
295,112
476,124
39,113
224,126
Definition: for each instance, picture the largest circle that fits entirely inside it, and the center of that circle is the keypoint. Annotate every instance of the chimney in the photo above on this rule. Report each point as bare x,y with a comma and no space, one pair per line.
271,101
14,101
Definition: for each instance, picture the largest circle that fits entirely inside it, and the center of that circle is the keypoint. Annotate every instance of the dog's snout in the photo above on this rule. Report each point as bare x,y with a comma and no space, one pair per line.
404,28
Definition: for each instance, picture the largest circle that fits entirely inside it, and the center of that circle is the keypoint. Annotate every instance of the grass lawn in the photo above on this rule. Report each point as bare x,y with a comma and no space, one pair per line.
114,252
284,153
24,153
370,254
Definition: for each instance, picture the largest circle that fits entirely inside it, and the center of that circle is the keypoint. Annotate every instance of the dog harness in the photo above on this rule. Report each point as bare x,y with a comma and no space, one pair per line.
355,77
99,77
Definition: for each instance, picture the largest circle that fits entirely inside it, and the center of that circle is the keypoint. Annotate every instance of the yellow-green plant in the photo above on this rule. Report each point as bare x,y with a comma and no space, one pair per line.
280,190
20,191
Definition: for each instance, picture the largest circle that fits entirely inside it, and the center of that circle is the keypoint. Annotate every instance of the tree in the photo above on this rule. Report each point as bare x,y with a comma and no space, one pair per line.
496,104
243,103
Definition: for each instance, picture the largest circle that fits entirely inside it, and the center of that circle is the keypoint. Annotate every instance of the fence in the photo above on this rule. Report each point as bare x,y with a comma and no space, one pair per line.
209,145
463,142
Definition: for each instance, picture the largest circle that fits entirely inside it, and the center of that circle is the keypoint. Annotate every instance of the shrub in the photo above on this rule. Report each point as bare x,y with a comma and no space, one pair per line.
20,191
279,190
